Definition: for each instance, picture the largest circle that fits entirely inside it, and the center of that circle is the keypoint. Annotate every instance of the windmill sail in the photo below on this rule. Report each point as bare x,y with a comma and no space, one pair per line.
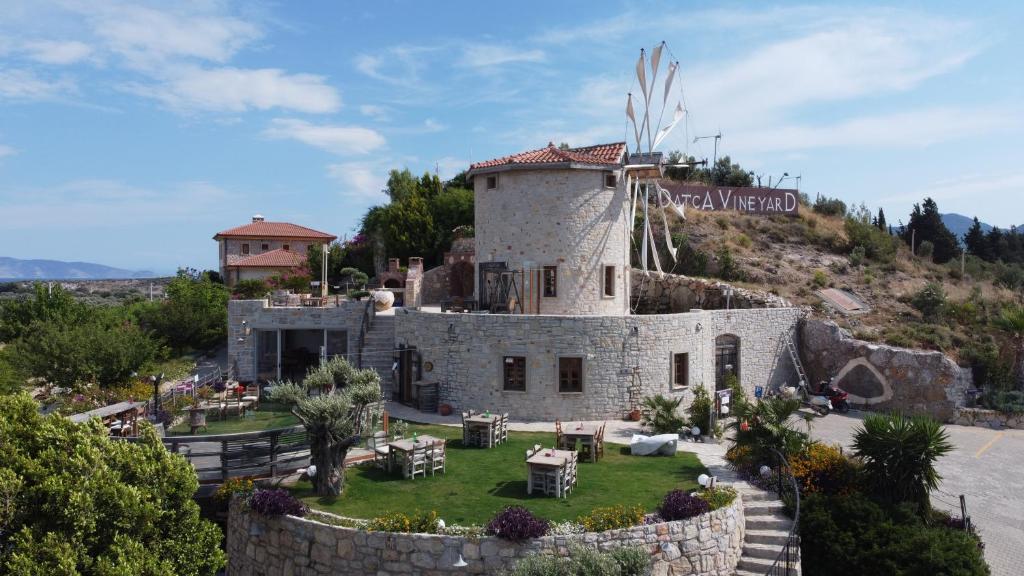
676,117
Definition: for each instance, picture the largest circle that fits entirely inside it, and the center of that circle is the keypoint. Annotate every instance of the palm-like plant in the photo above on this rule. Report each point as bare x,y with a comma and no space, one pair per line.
662,414
768,426
1012,320
899,454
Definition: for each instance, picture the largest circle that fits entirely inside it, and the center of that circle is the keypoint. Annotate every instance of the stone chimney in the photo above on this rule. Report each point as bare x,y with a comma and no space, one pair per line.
393,264
415,266
257,218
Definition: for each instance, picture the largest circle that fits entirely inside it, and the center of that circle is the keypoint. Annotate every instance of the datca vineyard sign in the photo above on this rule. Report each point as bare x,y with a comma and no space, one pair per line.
741,199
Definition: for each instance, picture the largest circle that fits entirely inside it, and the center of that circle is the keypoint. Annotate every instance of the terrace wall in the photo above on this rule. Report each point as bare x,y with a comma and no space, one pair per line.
466,352
708,545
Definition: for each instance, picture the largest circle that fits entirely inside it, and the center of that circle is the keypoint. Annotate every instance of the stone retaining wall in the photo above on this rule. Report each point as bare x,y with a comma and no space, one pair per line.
985,418
708,545
657,293
883,377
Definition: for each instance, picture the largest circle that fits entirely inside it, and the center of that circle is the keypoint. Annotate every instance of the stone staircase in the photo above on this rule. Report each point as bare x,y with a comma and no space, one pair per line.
766,532
378,346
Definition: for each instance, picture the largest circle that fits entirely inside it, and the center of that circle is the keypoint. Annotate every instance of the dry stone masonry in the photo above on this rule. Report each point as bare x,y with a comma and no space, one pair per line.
658,293
707,545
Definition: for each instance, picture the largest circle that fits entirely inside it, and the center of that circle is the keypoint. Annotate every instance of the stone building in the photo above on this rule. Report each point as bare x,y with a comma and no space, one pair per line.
260,249
552,330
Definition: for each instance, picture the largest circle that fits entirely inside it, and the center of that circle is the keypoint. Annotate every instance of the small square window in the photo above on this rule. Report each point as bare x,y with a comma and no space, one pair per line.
515,373
492,182
245,248
681,370
550,281
286,246
265,247
609,281
611,180
570,374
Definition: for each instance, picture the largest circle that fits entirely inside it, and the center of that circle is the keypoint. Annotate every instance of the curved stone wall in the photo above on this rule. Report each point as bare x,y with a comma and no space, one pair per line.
565,218
883,377
708,545
656,293
624,357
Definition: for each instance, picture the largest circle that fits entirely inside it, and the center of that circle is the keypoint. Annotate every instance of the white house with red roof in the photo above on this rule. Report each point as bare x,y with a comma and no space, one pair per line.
260,249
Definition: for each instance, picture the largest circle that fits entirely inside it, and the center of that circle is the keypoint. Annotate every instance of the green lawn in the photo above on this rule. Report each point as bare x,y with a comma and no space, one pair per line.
480,482
268,417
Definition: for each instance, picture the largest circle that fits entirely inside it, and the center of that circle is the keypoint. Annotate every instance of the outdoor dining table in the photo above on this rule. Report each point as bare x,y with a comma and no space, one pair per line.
487,423
405,447
545,460
585,433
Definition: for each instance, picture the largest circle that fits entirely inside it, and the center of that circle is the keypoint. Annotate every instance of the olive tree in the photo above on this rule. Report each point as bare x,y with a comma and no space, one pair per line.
75,502
334,419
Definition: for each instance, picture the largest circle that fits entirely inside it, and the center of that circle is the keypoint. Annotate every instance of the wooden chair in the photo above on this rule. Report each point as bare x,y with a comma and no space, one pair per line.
437,457
569,475
559,436
465,431
600,441
417,462
252,394
503,436
381,450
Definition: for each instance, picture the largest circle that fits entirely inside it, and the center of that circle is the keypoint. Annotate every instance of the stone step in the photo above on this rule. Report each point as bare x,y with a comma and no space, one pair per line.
760,566
778,537
774,522
762,508
754,495
766,551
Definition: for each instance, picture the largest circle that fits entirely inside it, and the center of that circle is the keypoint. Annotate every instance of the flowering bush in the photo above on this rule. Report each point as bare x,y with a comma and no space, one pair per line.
517,523
612,518
823,468
418,522
277,502
679,505
718,497
231,487
566,528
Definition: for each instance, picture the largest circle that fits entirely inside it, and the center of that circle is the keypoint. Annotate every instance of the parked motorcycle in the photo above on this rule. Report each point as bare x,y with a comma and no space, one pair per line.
836,396
820,404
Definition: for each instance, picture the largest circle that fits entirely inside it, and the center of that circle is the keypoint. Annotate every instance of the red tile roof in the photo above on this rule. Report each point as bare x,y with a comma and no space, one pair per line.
263,229
602,154
279,258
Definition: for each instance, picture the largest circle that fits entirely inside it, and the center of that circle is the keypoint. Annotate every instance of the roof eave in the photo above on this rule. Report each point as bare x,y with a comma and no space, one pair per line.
542,166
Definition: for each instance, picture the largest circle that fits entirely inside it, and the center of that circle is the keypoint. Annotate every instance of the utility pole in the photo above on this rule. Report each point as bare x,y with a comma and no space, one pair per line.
963,262
913,238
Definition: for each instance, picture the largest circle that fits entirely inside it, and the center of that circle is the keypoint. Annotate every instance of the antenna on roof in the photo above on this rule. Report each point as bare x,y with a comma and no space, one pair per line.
257,217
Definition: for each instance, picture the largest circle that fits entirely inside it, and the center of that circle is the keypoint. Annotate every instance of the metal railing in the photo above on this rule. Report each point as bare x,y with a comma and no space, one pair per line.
263,454
786,487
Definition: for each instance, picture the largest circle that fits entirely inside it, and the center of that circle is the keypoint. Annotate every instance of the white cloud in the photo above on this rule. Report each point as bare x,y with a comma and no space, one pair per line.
374,111
240,90
6,151
362,181
26,85
450,166
341,140
57,52
489,55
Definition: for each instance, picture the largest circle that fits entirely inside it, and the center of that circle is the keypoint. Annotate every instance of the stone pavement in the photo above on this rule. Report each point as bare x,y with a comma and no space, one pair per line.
986,466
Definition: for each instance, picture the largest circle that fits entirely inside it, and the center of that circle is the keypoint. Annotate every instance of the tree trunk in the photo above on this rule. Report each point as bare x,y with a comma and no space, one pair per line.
329,459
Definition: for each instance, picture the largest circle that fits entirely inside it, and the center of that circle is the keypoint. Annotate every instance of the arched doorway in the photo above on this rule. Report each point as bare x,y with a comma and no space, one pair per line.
392,283
727,359
460,280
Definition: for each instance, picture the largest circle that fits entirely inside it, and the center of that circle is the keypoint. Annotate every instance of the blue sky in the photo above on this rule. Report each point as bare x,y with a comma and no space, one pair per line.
130,132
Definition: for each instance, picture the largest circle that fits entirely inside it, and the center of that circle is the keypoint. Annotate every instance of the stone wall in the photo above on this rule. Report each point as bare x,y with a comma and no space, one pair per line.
708,545
467,351
565,218
437,281
985,418
883,377
259,315
657,293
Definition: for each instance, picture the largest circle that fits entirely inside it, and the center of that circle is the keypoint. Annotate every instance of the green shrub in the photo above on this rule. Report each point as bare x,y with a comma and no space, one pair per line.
743,240
876,244
250,289
358,294
718,497
899,455
829,206
662,415
728,268
612,518
857,256
417,523
820,279
930,301
926,249
700,410
626,561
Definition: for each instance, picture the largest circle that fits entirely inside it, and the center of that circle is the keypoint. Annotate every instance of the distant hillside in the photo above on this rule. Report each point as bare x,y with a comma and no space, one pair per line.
959,224
15,269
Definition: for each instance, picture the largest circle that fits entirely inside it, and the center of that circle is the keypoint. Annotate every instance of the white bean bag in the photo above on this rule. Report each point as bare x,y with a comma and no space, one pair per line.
665,444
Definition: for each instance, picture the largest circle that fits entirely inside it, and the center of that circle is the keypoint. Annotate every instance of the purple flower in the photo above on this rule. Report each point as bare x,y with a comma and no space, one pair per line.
517,523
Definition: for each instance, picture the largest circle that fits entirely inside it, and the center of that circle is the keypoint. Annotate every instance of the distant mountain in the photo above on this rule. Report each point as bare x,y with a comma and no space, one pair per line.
15,269
959,224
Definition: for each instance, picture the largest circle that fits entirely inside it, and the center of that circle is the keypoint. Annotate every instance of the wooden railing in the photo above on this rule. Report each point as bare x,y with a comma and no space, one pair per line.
267,453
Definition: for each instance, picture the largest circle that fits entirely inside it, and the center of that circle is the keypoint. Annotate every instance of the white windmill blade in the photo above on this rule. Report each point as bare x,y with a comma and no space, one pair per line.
672,67
678,209
654,251
631,186
676,117
641,73
655,60
632,116
668,235
647,232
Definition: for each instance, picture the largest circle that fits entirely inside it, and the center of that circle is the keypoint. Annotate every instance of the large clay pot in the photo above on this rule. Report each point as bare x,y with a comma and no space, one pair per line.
634,415
445,409
383,300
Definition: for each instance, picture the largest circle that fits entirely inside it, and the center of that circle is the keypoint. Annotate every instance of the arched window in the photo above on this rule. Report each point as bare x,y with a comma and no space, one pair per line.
727,359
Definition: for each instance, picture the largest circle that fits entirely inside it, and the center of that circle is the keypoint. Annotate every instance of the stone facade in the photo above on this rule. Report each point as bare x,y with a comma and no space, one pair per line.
437,282
883,377
566,218
657,293
708,545
259,315
467,351
985,418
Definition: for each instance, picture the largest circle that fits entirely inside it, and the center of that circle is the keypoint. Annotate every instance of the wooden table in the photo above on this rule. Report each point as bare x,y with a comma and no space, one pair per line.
585,434
542,461
481,421
405,446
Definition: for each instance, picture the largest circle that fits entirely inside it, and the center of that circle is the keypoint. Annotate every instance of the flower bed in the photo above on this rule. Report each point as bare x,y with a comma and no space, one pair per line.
705,545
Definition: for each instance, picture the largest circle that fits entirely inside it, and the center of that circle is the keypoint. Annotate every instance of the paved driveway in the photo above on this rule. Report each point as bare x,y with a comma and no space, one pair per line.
987,466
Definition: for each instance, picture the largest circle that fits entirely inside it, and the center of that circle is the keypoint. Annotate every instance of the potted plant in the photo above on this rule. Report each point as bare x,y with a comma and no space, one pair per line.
635,415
